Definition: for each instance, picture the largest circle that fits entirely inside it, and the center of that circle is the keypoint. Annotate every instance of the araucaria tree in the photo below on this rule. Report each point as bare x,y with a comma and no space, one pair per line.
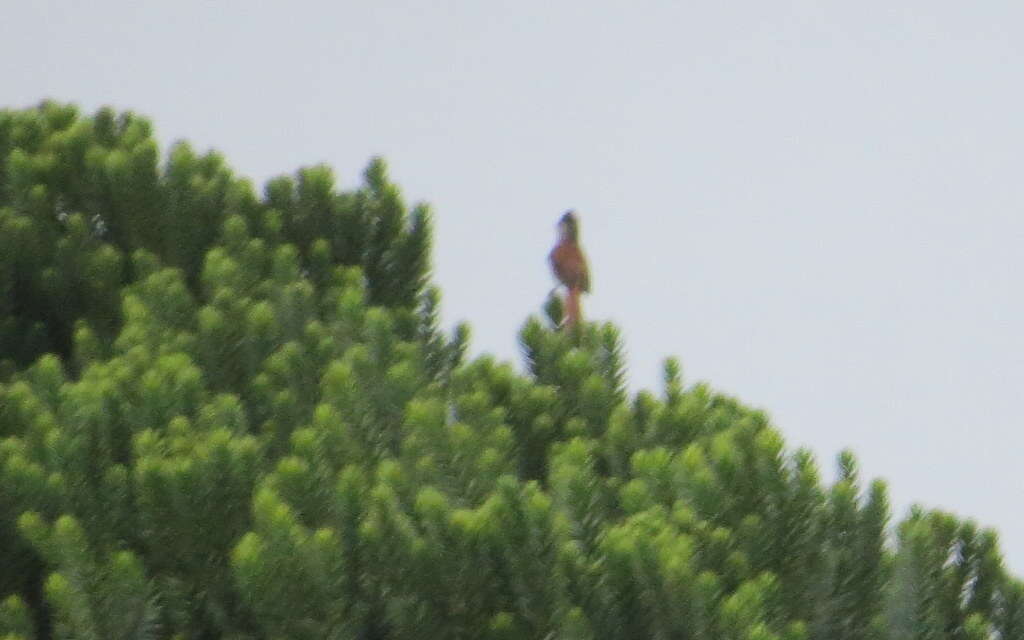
232,416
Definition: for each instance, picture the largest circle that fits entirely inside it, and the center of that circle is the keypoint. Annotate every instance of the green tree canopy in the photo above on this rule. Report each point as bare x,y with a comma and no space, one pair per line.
232,416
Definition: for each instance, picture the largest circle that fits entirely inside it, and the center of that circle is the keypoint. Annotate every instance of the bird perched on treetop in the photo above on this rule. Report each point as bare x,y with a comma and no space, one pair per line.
570,265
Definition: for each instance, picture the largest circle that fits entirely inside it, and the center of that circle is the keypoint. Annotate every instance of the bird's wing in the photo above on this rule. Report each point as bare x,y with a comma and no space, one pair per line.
570,266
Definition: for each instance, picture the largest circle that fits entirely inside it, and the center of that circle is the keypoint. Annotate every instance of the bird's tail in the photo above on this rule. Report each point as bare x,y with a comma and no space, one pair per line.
572,307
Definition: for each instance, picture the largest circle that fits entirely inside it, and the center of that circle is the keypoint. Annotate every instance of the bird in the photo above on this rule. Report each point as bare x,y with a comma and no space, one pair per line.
570,265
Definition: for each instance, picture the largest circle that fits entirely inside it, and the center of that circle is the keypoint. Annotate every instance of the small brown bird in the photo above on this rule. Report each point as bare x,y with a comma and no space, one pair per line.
570,266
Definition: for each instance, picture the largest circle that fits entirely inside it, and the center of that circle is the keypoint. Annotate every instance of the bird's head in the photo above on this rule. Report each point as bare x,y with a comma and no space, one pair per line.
568,226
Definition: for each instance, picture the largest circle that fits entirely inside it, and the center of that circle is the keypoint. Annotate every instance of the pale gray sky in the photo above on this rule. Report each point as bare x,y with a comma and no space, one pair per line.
816,205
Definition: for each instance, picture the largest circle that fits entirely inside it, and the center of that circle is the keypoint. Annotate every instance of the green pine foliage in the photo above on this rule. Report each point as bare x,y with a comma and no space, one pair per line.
225,415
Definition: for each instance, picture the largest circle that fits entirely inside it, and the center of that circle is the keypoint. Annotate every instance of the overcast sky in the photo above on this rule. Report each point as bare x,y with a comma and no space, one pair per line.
816,205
